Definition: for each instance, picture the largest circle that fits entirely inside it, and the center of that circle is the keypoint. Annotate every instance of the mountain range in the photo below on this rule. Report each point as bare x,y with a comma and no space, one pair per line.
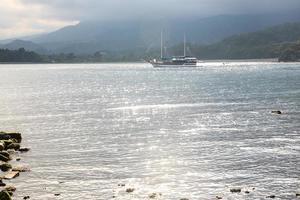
89,37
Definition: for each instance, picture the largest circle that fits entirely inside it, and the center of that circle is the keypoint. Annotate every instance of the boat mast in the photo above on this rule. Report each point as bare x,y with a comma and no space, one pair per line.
184,45
161,45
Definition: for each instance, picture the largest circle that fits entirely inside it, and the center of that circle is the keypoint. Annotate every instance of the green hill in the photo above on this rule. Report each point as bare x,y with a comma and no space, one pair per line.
268,43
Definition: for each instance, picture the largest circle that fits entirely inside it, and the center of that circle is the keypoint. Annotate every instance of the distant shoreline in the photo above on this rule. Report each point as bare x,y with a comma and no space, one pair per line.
206,61
270,60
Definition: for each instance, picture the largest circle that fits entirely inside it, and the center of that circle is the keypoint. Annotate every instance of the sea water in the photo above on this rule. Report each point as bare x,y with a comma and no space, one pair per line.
179,133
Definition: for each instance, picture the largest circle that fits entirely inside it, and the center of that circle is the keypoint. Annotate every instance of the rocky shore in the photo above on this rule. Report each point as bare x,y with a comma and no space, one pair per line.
10,150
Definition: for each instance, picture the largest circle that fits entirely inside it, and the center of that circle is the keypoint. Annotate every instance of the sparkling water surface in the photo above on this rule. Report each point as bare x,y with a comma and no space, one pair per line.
185,133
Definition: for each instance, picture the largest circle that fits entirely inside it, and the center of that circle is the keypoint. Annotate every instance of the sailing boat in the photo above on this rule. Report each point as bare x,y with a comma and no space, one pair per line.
174,61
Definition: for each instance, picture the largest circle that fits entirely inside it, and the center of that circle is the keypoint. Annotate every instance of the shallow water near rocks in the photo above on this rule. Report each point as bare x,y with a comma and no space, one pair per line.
185,133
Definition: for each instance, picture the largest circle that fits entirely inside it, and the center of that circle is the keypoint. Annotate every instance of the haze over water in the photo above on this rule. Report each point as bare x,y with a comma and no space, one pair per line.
184,133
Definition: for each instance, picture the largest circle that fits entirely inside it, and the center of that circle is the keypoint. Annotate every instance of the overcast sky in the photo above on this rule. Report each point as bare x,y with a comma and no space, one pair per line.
26,17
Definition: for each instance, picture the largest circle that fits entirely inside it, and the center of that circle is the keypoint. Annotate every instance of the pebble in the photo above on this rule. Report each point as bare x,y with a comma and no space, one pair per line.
152,196
276,112
235,190
129,190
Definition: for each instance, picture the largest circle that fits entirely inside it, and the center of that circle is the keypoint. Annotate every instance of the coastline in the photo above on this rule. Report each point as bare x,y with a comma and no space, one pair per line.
10,151
268,60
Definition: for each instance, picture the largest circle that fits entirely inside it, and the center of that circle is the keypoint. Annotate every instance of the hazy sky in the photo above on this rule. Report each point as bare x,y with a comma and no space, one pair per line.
26,17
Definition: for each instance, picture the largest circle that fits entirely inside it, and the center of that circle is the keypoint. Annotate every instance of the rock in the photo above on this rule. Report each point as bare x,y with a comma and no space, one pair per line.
18,159
15,146
2,184
184,199
24,149
4,158
11,175
152,196
297,194
129,190
218,197
121,185
5,167
271,196
10,193
20,169
2,146
4,195
10,188
276,112
6,143
235,190
247,192
4,153
11,151
7,136
26,197
57,194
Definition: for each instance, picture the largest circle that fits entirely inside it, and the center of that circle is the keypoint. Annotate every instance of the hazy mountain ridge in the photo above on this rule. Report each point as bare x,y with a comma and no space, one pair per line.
135,41
28,45
91,36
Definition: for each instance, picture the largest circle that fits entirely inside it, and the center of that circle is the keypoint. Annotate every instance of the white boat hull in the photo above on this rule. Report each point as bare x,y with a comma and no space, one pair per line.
161,65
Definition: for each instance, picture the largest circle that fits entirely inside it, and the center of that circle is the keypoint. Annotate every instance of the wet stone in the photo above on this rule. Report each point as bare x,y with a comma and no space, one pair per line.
4,158
276,112
4,195
15,146
11,175
6,136
129,190
24,149
235,190
20,169
2,184
10,188
152,196
5,167
4,153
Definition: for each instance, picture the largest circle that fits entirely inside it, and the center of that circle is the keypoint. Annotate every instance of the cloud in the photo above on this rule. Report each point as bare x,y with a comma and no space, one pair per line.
19,18
24,17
